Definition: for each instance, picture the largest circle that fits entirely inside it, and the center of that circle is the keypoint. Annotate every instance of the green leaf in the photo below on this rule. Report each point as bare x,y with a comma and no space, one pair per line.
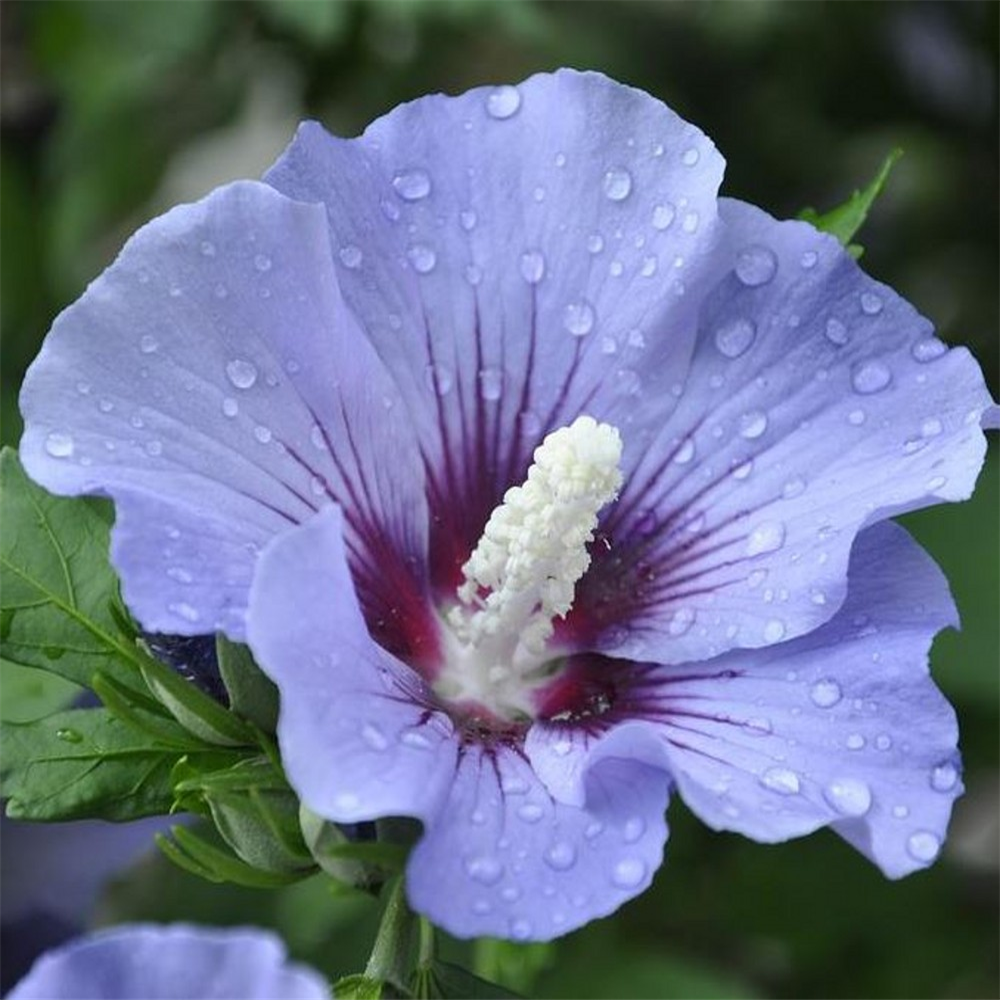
195,854
515,965
443,980
141,713
358,987
85,763
845,220
253,808
58,589
196,711
363,864
27,693
252,694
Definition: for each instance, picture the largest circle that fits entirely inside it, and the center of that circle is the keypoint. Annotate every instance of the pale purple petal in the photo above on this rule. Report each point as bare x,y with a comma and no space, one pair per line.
516,254
177,962
841,727
817,402
502,858
68,889
213,383
360,736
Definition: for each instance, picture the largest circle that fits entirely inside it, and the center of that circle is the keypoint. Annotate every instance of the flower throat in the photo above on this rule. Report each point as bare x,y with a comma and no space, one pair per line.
522,574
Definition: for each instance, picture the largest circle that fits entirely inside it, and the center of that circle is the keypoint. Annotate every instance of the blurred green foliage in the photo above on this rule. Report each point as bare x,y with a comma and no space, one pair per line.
112,111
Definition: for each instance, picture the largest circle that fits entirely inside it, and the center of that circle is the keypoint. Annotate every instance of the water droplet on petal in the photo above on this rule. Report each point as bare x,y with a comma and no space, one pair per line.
734,337
520,929
766,537
467,219
148,343
855,741
931,427
759,726
634,829
422,257
836,332
774,630
753,424
262,262
848,796
681,621
530,812
856,417
928,349
825,693
532,266
869,377
808,259
184,610
373,736
389,210
242,374
685,452
649,266
883,741
154,448
262,433
412,185
690,157
944,777
59,445
351,257
628,873
871,304
578,318
502,102
756,265
617,183
690,222
491,383
595,243
780,780
923,846
560,856
438,379
484,869
793,488
594,830
663,216
473,274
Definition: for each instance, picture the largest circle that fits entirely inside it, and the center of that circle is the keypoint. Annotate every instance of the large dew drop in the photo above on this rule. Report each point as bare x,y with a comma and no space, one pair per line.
617,183
242,374
412,184
734,337
756,265
503,102
578,318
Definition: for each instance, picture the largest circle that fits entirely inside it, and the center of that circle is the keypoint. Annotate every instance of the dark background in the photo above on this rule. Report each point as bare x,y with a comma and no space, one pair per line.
113,111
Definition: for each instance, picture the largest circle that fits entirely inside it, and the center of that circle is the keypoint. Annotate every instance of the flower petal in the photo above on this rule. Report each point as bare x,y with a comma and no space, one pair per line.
503,858
509,252
213,383
69,889
817,402
359,735
841,727
178,962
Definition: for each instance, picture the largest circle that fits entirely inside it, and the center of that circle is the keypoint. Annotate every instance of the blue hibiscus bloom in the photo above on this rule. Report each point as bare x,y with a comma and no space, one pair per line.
175,962
543,482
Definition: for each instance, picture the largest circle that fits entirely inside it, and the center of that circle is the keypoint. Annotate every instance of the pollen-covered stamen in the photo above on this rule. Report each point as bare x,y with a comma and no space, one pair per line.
523,572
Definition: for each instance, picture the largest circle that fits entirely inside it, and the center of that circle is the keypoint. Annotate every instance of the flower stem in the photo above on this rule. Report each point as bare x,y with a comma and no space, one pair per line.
390,960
